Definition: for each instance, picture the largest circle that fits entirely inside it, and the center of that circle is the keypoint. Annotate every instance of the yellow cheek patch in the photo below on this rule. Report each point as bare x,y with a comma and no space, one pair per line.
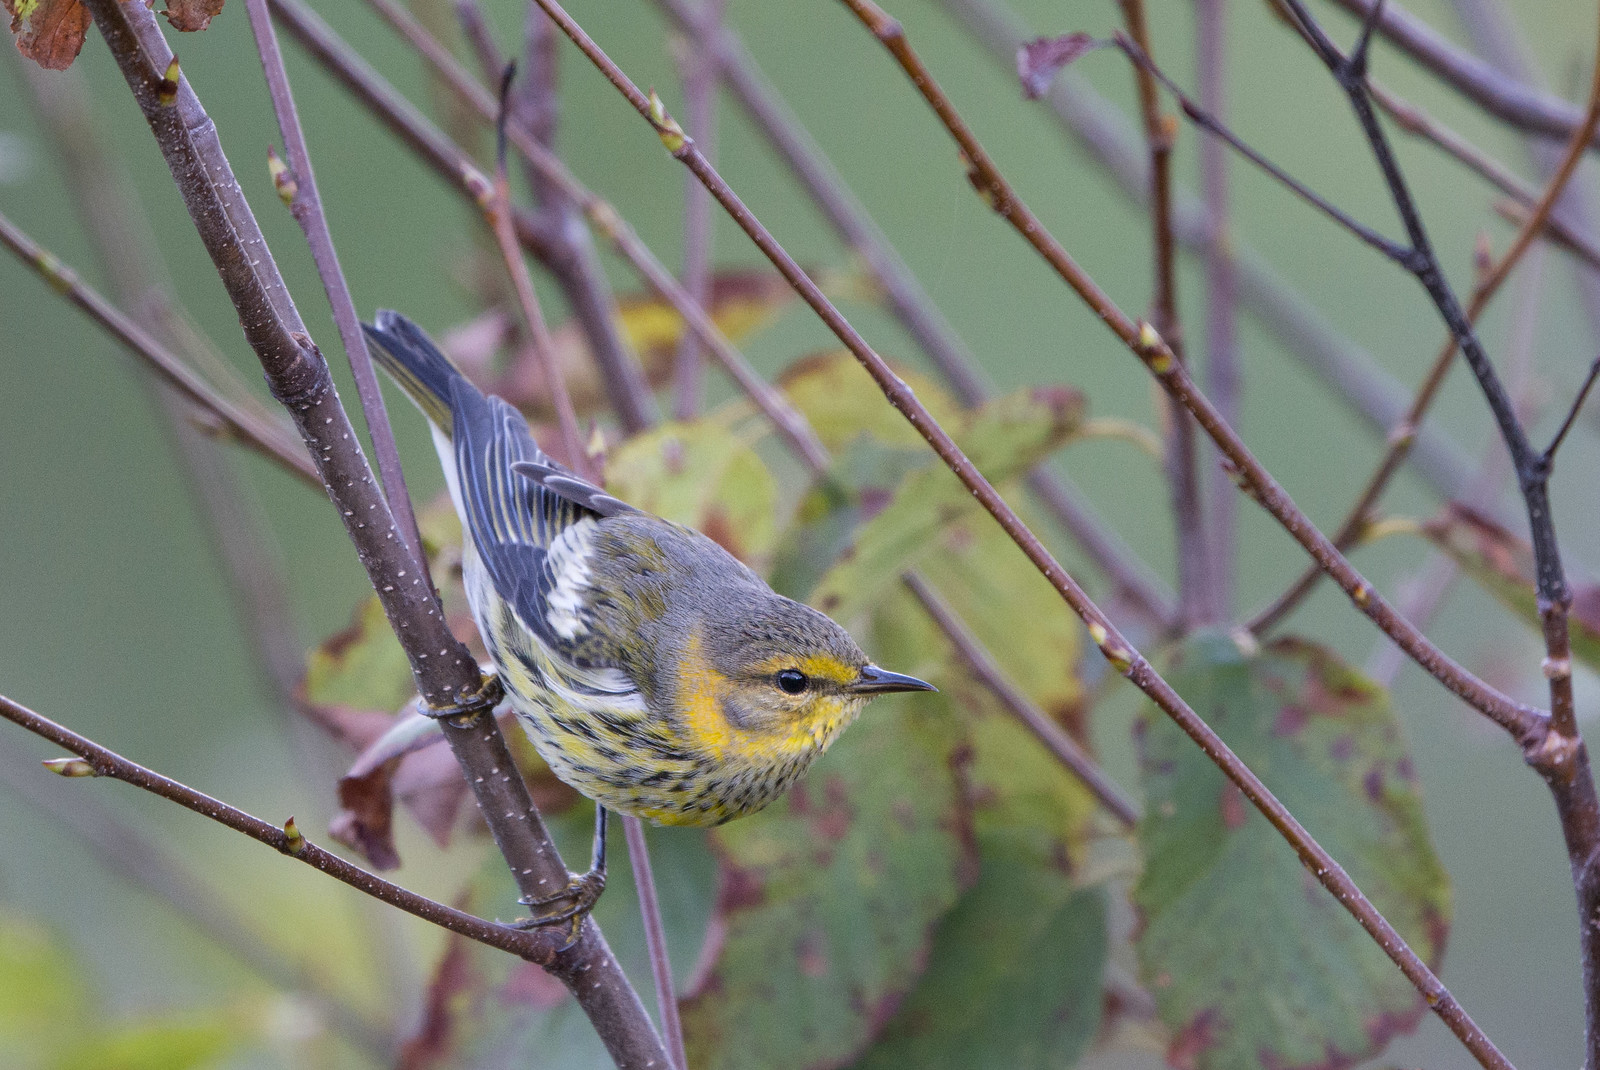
819,666
700,698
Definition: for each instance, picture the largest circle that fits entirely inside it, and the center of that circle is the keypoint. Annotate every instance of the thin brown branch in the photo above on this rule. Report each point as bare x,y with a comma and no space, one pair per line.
544,350
982,665
453,165
697,72
1513,102
655,938
1196,602
532,945
1104,134
127,853
306,206
906,298
1222,376
233,420
566,246
446,674
1144,342
1122,656
1404,434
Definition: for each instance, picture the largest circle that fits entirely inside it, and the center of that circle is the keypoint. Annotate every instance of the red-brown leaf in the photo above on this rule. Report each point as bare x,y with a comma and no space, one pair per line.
188,16
49,32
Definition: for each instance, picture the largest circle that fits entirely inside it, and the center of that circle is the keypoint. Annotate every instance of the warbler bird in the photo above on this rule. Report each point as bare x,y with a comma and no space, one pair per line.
654,672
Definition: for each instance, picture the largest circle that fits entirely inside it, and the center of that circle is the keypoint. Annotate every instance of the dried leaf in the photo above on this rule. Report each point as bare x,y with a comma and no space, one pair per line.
1039,60
188,16
49,32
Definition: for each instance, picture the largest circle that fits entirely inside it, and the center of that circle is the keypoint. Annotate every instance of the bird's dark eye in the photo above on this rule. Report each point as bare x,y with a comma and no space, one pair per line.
792,681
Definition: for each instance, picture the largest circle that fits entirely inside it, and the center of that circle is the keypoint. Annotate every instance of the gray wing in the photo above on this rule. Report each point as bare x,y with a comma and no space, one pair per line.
532,538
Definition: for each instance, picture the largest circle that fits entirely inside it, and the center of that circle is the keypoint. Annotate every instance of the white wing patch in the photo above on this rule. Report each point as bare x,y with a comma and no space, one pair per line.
568,562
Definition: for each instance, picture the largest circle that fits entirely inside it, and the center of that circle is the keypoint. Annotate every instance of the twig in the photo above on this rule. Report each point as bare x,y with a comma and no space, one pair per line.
1302,332
1196,602
1212,125
1560,756
1517,718
1222,377
445,672
533,945
1404,433
906,298
146,863
566,248
452,164
1549,454
655,938
544,350
1122,656
238,423
305,204
1055,739
698,75
1507,99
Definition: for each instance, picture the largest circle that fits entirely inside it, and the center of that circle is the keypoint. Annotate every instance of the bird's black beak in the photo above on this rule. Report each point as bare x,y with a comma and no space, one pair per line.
876,681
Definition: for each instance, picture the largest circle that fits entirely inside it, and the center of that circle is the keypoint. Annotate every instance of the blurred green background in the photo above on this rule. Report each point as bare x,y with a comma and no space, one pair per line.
116,619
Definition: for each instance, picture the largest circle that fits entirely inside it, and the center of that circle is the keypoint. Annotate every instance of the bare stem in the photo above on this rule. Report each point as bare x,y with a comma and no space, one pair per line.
1121,655
306,207
1145,343
529,944
1195,599
1222,376
234,421
655,938
1404,434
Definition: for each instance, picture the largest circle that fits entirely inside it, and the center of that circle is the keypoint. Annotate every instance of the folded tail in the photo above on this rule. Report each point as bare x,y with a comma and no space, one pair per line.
417,365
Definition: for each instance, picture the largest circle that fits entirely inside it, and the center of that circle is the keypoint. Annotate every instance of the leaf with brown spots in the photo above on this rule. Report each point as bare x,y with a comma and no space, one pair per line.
188,16
829,897
1014,975
1004,438
842,403
702,475
49,32
1250,960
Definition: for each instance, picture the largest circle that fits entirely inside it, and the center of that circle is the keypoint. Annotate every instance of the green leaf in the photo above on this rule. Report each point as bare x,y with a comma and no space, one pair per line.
1014,975
841,401
41,991
829,898
1250,960
701,475
1005,438
1014,978
361,667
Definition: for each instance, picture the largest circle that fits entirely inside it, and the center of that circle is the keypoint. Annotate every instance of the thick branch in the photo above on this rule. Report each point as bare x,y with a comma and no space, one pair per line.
445,673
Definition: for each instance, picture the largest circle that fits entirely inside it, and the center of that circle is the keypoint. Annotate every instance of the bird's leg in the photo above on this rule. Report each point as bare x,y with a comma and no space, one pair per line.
582,890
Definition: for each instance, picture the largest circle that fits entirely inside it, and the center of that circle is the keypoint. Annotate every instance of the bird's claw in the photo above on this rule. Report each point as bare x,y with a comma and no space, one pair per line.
581,894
